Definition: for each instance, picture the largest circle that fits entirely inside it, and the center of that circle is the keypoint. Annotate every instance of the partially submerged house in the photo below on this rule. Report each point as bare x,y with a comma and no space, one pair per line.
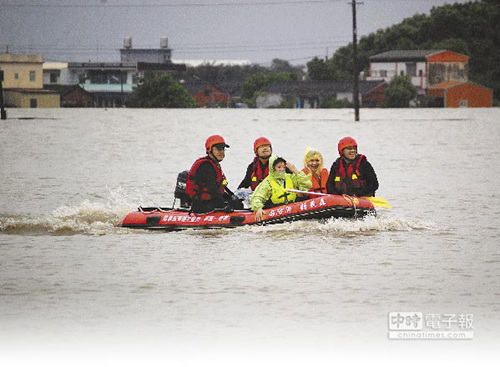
109,83
440,76
23,82
310,94
209,95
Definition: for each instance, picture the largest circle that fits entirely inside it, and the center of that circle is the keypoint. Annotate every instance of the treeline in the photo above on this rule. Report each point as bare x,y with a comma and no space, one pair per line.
472,29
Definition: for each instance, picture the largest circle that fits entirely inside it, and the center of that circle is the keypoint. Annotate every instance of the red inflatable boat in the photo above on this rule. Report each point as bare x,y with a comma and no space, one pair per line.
327,206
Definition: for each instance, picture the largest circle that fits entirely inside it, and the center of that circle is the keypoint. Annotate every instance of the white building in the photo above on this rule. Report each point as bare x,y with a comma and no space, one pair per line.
425,67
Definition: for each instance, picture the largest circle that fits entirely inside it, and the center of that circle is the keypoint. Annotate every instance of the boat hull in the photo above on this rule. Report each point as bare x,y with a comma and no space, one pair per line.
323,207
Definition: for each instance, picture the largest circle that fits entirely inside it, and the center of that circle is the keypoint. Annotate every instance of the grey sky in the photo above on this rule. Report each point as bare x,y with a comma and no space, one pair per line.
254,30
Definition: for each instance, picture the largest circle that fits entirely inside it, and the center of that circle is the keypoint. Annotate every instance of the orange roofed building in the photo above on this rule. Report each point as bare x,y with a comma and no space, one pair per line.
457,94
440,76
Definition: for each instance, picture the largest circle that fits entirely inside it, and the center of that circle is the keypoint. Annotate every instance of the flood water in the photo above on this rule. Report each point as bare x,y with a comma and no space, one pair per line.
76,290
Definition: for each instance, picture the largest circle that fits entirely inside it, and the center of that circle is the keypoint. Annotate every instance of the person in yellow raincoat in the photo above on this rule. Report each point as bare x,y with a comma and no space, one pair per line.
313,167
272,191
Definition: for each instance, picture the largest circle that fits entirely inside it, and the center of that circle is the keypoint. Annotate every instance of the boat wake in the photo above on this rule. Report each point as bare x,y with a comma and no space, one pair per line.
345,227
90,217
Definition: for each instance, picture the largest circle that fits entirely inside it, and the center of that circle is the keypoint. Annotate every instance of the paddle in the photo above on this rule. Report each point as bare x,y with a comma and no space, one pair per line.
376,201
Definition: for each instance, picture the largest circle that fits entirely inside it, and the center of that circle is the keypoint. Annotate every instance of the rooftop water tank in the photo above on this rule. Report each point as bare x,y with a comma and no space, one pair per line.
164,42
127,42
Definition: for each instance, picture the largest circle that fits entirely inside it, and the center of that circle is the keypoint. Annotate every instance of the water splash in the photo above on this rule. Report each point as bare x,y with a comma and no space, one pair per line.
340,226
90,217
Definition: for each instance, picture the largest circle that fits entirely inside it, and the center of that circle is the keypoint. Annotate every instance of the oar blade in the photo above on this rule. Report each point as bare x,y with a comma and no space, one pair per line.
379,202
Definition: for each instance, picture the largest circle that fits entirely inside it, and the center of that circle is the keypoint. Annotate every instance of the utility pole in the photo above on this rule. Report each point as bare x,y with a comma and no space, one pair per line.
3,113
355,92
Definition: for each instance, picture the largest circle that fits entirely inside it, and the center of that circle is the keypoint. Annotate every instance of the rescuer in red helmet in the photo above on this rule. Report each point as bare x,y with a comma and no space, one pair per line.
259,168
206,184
351,173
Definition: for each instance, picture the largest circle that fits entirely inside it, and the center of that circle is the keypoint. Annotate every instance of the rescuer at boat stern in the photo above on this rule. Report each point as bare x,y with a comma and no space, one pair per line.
206,183
351,173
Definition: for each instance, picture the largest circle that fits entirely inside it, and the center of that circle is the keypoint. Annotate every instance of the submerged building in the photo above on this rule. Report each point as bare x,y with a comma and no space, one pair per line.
23,82
440,76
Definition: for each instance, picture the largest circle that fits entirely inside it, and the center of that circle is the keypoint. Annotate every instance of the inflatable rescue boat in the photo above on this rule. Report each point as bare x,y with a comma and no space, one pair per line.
322,207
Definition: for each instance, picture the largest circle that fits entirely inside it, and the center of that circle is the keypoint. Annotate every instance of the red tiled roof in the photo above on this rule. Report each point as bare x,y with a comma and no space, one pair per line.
445,85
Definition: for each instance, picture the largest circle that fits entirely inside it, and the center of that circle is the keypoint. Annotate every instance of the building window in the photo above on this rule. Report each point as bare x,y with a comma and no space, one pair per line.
32,76
53,77
383,73
411,69
402,73
16,76
33,103
97,77
420,73
117,77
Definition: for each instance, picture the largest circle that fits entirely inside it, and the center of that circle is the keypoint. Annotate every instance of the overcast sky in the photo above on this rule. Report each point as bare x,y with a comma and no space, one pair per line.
254,30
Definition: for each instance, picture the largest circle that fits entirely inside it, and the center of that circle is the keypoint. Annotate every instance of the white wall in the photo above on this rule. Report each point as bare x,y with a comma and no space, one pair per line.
396,68
66,77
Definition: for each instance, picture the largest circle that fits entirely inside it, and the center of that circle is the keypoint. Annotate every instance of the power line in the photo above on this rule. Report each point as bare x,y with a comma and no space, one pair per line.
189,48
173,5
104,4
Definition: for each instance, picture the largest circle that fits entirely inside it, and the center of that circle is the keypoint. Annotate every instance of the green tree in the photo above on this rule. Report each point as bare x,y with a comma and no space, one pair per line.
453,44
282,66
257,83
160,91
400,92
331,102
319,70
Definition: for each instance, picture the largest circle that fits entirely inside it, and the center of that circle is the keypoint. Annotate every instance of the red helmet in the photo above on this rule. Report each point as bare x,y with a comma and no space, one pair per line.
259,142
214,140
346,142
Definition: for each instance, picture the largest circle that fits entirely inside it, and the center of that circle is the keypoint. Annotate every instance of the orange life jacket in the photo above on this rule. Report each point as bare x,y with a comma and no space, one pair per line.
201,192
318,182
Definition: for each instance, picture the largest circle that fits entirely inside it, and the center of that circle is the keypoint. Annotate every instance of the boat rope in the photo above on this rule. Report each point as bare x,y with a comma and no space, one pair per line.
153,209
353,202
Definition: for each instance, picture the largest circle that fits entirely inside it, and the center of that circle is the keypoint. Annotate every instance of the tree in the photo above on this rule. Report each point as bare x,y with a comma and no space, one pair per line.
331,102
400,92
317,69
259,82
160,91
282,66
453,44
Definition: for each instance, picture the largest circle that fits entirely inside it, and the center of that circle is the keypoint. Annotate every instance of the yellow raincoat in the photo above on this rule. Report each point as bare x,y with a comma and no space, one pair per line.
264,191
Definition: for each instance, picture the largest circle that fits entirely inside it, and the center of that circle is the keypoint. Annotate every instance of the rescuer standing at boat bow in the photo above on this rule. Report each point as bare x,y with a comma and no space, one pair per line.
351,174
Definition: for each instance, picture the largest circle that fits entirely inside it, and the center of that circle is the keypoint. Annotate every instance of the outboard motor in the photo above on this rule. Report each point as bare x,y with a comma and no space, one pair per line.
180,190
244,196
